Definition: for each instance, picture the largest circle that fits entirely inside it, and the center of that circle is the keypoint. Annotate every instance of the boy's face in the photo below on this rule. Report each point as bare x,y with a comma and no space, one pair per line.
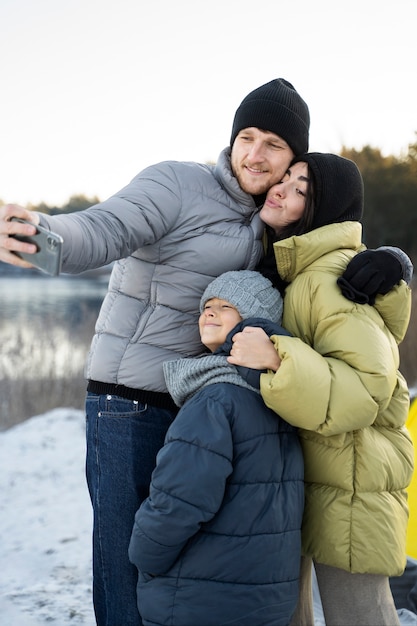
259,159
216,321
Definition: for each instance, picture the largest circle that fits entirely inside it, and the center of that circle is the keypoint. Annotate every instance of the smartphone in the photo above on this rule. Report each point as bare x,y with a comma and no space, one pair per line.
48,257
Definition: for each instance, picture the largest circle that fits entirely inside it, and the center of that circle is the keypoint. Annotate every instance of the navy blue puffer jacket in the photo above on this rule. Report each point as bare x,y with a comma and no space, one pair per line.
218,540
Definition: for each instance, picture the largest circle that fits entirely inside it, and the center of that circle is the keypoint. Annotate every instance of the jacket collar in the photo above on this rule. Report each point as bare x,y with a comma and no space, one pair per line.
295,254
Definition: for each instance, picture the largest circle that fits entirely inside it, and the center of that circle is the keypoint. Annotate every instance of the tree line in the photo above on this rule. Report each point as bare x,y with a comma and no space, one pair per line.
75,203
390,182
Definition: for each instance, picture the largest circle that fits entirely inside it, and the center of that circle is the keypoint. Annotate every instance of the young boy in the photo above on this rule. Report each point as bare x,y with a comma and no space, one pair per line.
218,540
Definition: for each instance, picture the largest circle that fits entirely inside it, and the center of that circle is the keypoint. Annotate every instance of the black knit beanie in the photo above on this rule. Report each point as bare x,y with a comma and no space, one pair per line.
278,108
338,188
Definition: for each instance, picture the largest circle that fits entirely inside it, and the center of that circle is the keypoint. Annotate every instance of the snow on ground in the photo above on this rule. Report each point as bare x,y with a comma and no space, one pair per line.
45,523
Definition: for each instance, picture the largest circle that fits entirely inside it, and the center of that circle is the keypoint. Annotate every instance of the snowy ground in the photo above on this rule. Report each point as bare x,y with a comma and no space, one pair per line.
45,523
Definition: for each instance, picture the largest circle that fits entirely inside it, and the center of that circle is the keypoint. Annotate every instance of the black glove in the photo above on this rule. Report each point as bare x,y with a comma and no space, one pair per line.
369,273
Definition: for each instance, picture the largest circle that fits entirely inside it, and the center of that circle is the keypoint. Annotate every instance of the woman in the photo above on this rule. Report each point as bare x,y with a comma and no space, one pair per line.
337,380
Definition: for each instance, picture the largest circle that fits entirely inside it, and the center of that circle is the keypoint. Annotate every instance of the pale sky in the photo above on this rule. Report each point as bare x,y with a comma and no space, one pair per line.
93,91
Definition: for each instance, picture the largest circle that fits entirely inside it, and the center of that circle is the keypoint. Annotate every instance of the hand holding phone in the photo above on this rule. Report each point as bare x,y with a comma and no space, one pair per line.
48,257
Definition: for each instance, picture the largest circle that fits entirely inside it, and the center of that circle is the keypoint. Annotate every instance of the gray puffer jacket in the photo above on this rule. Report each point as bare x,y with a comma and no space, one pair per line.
172,230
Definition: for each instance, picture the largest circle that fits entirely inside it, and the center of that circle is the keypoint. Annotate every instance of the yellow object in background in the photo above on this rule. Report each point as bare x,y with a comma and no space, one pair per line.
412,489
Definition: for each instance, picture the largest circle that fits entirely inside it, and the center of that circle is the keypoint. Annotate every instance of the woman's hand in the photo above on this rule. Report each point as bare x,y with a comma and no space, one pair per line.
253,348
8,228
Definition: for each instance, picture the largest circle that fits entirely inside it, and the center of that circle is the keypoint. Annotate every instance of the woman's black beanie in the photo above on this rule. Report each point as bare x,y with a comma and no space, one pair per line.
278,108
338,188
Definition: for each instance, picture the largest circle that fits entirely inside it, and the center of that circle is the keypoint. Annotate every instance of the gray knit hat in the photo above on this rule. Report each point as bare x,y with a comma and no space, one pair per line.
278,108
249,292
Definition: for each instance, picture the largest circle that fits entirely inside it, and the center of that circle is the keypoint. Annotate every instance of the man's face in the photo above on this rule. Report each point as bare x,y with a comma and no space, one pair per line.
259,159
216,321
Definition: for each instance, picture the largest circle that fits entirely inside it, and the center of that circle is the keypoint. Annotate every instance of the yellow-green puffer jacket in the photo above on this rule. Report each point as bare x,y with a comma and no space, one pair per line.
349,401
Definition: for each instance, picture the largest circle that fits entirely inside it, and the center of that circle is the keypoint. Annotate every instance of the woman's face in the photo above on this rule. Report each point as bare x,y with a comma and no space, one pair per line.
285,201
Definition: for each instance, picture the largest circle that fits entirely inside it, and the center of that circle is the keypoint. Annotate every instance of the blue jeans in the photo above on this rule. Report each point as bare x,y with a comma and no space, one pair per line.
404,588
123,438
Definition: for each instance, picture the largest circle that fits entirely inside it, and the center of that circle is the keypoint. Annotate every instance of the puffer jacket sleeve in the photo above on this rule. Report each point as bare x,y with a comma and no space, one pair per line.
395,309
138,215
341,370
187,485
404,260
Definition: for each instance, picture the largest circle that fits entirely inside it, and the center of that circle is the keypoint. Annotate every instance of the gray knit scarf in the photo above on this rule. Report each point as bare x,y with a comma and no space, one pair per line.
185,377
